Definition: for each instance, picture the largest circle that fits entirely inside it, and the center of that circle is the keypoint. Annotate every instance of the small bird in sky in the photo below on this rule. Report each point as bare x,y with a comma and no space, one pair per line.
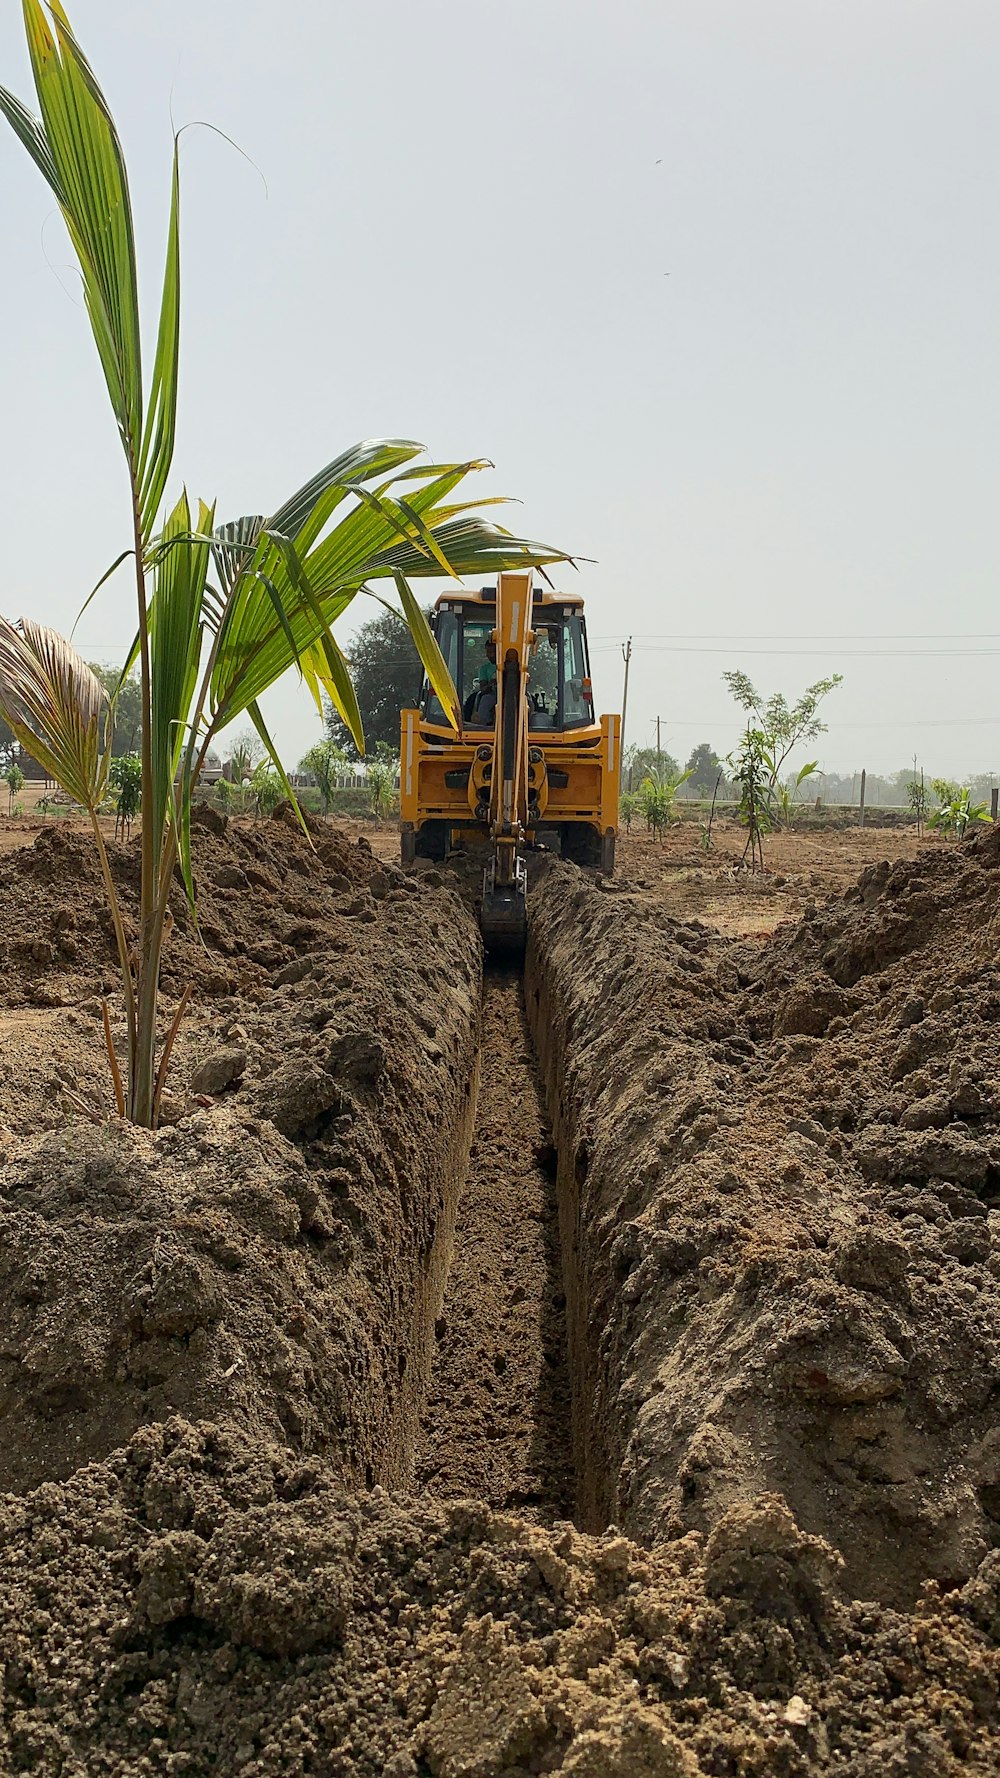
659,163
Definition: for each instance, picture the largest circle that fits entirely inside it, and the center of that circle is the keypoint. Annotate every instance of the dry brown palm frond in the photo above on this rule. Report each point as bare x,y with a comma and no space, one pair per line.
57,708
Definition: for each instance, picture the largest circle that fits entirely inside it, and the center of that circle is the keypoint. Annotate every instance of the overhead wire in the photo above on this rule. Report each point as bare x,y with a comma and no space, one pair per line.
799,636
894,654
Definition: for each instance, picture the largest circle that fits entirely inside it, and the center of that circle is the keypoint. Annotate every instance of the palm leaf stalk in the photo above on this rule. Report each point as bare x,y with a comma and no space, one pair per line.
75,145
207,651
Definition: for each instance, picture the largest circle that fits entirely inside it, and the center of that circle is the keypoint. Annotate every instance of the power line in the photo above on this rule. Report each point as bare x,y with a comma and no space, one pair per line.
884,654
730,721
802,636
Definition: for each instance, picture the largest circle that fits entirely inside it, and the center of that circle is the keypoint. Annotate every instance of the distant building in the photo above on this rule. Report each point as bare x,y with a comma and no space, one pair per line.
33,772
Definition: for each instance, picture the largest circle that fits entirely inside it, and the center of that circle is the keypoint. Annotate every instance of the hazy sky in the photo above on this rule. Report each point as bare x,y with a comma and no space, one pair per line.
713,282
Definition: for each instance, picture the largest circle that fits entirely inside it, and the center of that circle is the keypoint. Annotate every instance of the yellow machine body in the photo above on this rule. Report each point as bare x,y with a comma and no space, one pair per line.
532,766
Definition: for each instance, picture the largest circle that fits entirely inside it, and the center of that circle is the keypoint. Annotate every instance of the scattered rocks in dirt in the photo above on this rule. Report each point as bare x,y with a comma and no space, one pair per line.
218,1070
198,1603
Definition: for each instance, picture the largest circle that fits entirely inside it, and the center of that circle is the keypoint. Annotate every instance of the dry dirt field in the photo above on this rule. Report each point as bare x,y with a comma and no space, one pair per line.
593,1373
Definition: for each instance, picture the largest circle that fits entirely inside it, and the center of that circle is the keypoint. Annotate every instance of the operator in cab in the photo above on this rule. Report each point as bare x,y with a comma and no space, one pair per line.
480,706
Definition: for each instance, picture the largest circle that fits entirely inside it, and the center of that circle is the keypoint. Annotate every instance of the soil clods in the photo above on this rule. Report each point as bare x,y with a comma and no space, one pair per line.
429,1397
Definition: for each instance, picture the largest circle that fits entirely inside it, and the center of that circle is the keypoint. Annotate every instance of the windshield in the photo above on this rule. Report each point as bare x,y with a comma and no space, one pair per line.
558,682
578,706
470,657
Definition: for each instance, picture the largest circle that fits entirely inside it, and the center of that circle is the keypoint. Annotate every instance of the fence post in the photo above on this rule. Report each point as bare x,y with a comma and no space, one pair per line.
994,795
861,817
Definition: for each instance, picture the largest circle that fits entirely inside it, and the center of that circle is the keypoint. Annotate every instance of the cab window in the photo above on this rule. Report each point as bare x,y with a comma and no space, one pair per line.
577,700
462,640
559,694
543,678
477,685
447,629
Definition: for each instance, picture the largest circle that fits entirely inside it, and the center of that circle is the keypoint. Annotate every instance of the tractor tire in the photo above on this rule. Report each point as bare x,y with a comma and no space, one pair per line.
431,841
581,844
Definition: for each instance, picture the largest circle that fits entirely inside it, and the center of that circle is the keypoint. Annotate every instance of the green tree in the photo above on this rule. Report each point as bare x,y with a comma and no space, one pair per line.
231,796
14,780
127,737
749,768
784,795
644,762
323,762
380,781
703,769
125,776
658,797
781,725
917,799
387,673
267,787
207,652
945,791
956,812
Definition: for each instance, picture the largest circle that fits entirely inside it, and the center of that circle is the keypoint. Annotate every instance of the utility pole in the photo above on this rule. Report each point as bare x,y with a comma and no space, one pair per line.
657,744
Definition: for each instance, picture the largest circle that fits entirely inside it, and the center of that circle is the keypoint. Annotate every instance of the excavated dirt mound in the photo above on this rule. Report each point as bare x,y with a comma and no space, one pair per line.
263,896
783,1161
200,1605
272,1259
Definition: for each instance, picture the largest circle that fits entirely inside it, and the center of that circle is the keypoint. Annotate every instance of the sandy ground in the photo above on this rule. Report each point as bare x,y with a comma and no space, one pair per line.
802,868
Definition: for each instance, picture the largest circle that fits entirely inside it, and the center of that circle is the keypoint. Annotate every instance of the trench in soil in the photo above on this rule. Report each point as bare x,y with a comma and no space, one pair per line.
496,1423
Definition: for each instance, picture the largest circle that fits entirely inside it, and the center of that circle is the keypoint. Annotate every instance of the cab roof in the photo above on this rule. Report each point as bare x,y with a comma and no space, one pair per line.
487,595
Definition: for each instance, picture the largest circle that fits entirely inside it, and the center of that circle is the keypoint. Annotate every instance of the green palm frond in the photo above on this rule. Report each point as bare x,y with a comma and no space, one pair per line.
359,464
157,450
324,665
286,588
75,145
473,547
432,660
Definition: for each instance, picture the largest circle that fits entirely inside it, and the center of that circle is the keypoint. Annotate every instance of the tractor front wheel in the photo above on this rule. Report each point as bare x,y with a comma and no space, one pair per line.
431,841
581,844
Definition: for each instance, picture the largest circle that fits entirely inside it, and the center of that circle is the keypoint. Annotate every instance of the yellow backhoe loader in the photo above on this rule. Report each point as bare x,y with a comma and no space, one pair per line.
532,766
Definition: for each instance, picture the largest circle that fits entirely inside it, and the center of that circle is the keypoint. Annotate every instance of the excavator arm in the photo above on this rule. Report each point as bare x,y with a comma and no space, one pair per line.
504,917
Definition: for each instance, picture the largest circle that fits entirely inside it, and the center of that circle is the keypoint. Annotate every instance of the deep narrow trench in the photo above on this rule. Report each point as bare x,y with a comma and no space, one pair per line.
497,1421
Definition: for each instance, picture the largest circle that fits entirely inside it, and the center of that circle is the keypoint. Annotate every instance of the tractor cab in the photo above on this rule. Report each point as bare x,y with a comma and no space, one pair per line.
558,686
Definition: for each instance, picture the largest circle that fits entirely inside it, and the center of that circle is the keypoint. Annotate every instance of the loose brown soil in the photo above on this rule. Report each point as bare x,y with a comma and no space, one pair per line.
785,1162
801,868
250,1364
266,1259
496,1425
